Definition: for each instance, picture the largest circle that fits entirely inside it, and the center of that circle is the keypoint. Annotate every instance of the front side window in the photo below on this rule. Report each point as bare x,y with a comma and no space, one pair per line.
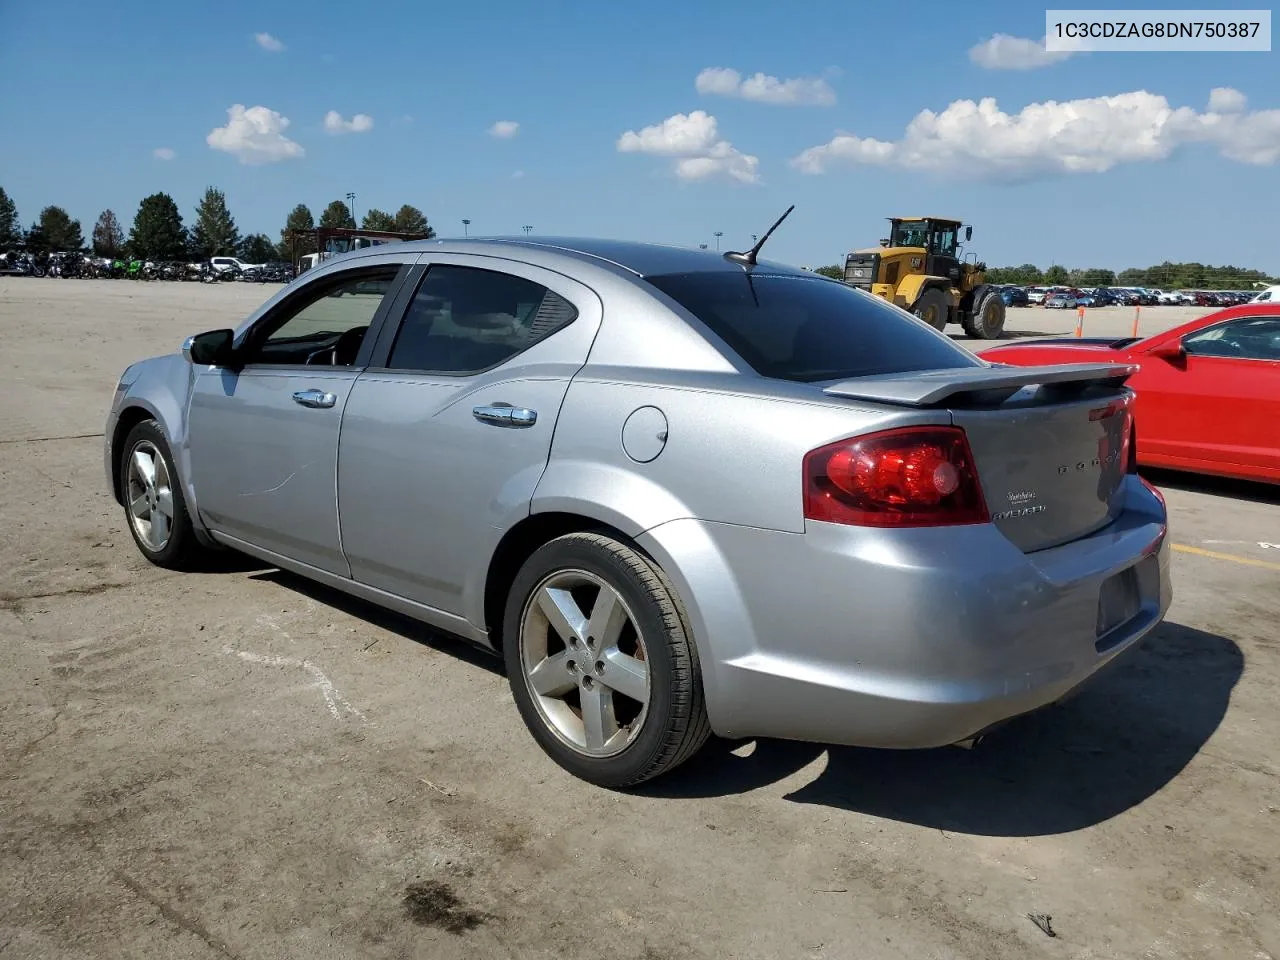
327,324
465,320
914,234
810,329
1248,338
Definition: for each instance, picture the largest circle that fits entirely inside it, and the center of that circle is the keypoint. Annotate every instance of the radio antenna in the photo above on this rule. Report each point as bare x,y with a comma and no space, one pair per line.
749,258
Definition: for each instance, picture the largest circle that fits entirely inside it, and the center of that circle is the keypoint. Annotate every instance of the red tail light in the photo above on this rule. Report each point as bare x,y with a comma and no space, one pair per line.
910,477
1128,454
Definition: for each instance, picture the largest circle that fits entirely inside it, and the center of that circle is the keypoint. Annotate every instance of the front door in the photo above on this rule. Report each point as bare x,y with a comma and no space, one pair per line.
264,437
447,433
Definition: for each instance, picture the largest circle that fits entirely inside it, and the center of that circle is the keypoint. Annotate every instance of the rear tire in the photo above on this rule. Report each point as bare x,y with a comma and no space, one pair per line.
987,320
154,508
619,700
933,307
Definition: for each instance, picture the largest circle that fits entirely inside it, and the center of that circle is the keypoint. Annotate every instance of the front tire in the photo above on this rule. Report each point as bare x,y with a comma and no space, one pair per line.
154,507
987,320
932,307
600,661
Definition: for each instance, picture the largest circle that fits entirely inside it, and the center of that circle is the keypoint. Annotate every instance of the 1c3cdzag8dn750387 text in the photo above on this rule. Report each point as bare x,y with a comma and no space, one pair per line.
679,493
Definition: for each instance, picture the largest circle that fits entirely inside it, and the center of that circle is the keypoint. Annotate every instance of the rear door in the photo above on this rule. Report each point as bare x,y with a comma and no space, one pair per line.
447,433
1218,406
264,438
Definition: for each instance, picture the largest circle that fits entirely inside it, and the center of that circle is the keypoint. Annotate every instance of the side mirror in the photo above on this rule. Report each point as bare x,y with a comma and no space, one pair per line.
884,241
1173,351
968,234
211,348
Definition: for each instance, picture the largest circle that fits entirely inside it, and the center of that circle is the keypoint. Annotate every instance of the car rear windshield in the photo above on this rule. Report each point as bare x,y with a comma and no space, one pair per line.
810,328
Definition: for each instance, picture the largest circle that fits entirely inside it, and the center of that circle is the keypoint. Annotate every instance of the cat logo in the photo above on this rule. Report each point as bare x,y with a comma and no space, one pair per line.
917,263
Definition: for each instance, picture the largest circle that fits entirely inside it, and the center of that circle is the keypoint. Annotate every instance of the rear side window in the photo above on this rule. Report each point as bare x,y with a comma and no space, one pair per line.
465,320
797,328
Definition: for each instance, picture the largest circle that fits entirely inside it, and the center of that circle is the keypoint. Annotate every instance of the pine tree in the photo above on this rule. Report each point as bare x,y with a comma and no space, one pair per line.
377,219
108,237
257,248
10,226
410,219
60,232
337,214
158,233
215,233
301,220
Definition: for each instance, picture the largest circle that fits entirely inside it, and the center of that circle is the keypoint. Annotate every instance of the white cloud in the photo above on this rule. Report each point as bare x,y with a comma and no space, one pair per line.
1226,100
163,153
978,140
1003,52
504,129
518,175
267,42
693,141
254,135
335,124
762,88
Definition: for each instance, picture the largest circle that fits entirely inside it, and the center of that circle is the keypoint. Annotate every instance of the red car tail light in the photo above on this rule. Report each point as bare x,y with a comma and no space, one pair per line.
909,477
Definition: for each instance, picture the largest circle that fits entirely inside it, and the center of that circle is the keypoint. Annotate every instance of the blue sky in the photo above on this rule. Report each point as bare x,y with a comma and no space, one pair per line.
95,89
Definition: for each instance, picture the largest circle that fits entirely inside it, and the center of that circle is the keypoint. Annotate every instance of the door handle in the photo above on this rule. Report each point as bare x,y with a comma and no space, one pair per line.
505,415
315,398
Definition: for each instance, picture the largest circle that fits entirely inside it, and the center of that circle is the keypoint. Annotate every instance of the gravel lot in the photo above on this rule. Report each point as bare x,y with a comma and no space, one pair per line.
239,764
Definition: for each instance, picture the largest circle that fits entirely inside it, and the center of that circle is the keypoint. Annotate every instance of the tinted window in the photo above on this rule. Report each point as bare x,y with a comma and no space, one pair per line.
327,322
463,320
1249,338
797,328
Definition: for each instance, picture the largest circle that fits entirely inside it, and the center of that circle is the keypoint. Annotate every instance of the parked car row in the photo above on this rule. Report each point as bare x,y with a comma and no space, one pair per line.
69,266
1068,298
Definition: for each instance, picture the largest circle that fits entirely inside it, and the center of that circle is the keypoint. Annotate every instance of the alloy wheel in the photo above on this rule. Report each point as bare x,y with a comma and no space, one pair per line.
149,495
585,663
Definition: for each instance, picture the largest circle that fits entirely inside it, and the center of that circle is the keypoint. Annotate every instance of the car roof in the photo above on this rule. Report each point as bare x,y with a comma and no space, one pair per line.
641,259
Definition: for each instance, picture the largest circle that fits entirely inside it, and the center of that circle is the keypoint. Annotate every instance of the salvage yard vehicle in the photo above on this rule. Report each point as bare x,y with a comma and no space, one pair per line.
919,267
1207,391
678,492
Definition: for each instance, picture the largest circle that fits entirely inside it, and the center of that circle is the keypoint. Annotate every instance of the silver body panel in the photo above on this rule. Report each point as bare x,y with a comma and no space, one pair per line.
401,492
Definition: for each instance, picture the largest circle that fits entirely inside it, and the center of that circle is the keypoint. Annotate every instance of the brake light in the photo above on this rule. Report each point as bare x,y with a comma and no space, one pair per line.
1128,454
909,477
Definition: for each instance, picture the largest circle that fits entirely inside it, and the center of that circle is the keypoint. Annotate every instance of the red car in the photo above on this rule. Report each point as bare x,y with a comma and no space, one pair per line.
1208,392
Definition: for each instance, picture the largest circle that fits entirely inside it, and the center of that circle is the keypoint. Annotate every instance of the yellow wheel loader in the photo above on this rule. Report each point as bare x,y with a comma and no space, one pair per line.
919,267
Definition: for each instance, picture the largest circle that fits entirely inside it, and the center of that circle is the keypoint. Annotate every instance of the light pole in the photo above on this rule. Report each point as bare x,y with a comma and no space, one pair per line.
465,225
351,205
527,228
719,234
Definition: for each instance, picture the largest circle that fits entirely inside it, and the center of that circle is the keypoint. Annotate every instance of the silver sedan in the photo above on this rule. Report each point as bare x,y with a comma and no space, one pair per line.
679,492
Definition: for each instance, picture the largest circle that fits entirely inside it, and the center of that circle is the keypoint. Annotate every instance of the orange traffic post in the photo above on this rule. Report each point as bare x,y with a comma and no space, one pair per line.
1136,311
1080,322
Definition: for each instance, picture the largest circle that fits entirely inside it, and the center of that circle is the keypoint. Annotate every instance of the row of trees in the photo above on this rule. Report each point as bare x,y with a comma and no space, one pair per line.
158,231
1165,276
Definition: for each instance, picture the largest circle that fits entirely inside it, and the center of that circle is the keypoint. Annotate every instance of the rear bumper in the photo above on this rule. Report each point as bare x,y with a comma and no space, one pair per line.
909,638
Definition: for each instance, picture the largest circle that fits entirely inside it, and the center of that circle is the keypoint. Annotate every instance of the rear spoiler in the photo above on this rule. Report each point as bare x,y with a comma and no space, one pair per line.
992,384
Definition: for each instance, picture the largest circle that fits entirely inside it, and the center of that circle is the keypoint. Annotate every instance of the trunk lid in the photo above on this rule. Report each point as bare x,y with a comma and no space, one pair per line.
1049,443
